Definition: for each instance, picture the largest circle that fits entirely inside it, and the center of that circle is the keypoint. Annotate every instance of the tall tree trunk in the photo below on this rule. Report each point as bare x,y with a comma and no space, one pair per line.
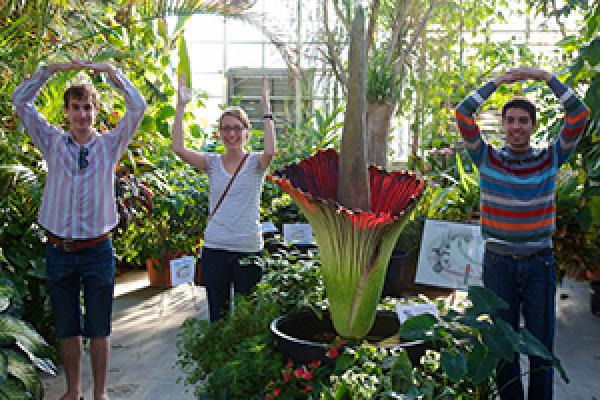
353,189
379,115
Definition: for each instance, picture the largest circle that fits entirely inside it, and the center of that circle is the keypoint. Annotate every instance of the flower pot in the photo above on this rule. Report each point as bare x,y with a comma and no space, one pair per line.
303,337
594,275
159,273
395,283
198,281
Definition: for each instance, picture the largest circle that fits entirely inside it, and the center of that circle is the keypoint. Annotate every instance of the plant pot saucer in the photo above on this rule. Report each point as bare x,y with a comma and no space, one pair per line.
303,337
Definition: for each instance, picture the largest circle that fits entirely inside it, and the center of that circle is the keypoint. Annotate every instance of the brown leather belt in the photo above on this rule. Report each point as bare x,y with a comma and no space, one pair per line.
73,245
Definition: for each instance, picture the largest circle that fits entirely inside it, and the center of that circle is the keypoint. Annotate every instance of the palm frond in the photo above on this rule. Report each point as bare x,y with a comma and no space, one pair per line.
165,8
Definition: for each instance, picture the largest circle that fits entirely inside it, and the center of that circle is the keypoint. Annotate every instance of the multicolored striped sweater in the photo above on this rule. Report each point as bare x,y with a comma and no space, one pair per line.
518,209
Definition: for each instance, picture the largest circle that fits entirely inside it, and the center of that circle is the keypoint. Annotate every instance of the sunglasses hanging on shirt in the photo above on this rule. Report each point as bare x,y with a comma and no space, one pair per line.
83,161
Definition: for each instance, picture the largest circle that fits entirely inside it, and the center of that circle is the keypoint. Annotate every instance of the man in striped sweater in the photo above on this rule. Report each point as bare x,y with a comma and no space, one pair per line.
78,211
518,214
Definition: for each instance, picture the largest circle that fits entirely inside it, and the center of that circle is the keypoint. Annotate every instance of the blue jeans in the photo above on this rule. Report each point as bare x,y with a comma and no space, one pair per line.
527,283
221,268
94,268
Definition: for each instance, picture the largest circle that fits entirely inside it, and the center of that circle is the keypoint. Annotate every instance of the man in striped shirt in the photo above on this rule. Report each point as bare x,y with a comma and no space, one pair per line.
78,211
518,212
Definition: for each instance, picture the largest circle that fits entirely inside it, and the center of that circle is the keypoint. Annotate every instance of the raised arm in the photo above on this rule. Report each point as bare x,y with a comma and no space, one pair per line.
191,157
466,121
134,103
23,99
269,139
576,116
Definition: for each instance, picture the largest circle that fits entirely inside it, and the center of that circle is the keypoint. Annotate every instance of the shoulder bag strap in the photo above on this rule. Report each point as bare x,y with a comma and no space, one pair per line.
228,186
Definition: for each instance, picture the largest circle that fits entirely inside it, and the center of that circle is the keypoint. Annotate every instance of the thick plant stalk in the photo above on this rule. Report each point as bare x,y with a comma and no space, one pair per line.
354,184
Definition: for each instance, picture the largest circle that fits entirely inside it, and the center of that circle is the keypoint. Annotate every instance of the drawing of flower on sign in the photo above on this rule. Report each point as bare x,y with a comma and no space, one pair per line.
451,255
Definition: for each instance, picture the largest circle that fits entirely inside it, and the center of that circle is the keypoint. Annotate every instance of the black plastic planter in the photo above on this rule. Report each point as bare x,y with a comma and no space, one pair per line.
395,277
304,337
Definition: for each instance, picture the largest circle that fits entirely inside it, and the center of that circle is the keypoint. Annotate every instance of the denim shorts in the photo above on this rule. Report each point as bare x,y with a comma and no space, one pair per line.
67,272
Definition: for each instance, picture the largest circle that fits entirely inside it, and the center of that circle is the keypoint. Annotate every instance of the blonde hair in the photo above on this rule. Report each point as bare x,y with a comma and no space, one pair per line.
236,112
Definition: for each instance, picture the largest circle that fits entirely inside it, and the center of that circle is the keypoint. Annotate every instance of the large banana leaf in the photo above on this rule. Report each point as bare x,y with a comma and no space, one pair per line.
14,331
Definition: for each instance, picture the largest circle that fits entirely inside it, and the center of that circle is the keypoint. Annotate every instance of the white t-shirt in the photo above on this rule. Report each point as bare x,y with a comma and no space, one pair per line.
236,224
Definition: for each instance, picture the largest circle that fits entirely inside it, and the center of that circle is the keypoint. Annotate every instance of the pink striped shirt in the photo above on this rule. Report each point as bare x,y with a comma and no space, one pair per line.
78,203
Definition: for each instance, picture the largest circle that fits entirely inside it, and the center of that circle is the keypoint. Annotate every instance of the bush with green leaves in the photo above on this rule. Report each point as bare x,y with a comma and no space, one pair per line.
22,349
467,347
292,280
235,358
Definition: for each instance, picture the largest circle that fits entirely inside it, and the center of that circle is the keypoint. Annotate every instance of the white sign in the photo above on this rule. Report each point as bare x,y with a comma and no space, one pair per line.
268,227
297,234
405,311
182,270
451,255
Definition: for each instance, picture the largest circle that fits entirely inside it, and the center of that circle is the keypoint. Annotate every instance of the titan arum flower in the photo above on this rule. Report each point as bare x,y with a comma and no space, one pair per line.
356,213
355,246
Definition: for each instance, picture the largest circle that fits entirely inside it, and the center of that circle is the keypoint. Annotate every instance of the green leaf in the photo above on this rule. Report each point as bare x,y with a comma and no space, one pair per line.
13,329
454,363
481,363
3,367
502,341
184,61
166,111
592,54
20,368
484,300
532,346
12,389
418,327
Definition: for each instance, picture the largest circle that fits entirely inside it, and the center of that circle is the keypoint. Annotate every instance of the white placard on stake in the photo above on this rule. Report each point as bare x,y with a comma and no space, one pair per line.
182,270
268,227
297,234
405,311
451,255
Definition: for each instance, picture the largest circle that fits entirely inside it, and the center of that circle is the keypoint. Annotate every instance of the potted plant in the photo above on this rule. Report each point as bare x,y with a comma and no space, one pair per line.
356,213
576,239
176,221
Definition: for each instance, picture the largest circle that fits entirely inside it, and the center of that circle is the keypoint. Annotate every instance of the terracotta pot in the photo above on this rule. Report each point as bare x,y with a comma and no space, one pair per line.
593,276
578,275
159,274
198,281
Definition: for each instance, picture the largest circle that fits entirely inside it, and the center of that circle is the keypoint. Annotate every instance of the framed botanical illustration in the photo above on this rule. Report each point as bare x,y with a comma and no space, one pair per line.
451,255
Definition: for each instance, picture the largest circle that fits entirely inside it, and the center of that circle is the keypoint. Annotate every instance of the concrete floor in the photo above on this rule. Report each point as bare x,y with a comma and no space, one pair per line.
146,321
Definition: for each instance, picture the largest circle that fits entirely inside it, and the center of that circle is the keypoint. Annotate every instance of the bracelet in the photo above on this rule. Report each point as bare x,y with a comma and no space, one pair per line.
269,116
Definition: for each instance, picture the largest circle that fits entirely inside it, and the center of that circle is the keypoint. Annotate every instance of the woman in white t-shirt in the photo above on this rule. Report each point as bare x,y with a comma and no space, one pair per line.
233,230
